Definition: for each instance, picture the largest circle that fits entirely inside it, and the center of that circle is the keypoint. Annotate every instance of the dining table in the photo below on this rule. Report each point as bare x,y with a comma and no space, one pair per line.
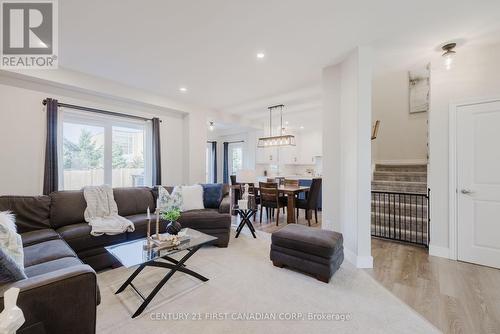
291,192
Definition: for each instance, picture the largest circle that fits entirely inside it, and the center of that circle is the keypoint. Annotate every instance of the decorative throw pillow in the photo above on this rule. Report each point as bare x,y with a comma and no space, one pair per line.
11,244
192,197
167,201
10,271
212,195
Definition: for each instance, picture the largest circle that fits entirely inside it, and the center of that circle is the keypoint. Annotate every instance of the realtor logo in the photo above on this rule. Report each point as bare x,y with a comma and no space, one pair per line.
29,34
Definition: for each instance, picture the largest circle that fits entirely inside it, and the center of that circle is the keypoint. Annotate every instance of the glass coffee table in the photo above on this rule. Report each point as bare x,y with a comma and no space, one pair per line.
132,253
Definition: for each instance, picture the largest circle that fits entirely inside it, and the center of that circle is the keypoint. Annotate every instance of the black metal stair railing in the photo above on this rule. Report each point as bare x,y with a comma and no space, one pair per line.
401,216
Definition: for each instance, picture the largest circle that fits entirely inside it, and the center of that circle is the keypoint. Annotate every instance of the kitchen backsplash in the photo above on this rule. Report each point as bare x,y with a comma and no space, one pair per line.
287,170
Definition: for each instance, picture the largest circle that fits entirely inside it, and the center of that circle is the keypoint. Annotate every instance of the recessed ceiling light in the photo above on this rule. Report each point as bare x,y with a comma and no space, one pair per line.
260,55
183,89
302,128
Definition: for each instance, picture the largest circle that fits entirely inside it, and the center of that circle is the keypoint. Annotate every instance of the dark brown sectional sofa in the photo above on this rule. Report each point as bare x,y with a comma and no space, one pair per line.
60,294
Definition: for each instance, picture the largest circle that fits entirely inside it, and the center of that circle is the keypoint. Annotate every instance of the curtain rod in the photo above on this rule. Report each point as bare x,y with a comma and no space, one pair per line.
99,111
234,142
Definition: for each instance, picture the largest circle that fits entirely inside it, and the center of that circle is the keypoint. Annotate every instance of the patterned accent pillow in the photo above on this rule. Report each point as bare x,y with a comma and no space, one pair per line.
167,201
212,195
10,271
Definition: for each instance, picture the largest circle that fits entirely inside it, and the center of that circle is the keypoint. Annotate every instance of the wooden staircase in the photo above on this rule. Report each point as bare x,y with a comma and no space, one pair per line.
400,203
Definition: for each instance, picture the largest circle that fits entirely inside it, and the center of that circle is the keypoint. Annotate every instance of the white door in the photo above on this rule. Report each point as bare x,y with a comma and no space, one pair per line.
478,183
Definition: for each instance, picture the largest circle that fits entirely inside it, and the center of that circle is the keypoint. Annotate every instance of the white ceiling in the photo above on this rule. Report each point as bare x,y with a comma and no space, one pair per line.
210,46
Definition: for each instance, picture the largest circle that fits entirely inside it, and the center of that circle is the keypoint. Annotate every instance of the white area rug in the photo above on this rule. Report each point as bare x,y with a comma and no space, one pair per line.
244,283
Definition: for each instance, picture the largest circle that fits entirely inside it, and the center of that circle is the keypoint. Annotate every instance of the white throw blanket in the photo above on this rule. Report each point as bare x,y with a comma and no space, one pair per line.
10,240
102,212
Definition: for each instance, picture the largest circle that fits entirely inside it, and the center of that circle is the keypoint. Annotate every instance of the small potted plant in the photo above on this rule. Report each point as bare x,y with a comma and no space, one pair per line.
172,216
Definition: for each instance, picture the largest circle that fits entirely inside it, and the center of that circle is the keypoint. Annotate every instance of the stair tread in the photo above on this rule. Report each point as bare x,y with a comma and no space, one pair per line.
387,172
399,182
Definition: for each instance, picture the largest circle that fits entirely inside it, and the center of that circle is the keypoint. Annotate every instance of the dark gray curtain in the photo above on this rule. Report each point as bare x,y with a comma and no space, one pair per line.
214,162
156,152
225,176
51,173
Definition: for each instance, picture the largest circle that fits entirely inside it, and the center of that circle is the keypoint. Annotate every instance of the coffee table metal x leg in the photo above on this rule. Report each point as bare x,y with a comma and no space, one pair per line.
246,216
176,266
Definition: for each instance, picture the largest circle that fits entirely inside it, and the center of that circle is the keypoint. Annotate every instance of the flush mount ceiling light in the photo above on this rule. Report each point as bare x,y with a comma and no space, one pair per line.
449,54
211,126
281,139
260,55
183,89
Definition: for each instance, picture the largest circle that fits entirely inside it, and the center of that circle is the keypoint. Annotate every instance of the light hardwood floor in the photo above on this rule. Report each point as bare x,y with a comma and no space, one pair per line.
456,297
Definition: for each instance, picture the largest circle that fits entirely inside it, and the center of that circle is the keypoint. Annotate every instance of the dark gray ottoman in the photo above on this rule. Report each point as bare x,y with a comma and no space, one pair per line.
311,250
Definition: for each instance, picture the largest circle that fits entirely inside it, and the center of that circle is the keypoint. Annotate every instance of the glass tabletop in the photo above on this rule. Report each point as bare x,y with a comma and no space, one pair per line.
132,253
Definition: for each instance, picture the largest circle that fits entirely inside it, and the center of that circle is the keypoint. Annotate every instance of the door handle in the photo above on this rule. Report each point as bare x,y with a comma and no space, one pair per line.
466,191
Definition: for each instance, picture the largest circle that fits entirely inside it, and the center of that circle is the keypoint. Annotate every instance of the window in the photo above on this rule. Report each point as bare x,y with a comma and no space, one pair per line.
235,158
99,149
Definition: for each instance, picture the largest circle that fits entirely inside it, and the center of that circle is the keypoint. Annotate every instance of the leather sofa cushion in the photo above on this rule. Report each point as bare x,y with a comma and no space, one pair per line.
50,266
134,200
309,240
35,237
67,208
46,251
79,238
205,219
32,212
141,225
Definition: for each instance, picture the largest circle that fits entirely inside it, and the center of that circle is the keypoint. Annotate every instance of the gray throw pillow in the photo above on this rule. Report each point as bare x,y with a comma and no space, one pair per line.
10,271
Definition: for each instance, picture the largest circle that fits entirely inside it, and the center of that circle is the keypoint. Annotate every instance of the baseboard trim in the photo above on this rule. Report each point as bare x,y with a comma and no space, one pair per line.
402,162
362,262
439,251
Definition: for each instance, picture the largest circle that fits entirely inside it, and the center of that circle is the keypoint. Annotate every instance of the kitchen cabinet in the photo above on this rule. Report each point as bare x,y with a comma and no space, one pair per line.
267,155
308,148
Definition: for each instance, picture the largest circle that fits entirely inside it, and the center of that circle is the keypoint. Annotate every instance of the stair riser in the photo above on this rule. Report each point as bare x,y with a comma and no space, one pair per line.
400,210
399,177
396,168
385,219
420,189
406,199
403,234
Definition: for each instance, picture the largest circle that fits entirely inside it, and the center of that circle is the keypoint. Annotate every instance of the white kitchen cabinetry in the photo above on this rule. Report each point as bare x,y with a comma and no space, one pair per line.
268,155
289,155
310,148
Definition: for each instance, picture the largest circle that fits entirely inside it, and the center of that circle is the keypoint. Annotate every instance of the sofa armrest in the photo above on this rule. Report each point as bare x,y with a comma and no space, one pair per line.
62,301
225,205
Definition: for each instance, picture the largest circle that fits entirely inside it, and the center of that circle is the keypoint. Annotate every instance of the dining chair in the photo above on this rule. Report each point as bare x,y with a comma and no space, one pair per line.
270,199
311,201
290,183
237,191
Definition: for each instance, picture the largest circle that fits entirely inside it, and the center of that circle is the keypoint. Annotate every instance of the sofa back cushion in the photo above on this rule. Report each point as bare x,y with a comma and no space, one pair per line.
32,212
134,200
67,208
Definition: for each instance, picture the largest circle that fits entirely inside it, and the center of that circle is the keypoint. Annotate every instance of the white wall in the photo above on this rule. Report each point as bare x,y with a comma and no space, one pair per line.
347,153
249,144
22,133
476,74
402,136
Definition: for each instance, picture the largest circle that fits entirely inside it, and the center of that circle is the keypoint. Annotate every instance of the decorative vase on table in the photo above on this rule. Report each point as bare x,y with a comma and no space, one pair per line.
174,227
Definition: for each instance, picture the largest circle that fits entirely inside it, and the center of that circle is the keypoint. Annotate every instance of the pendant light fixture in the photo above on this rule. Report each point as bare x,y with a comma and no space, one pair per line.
281,139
